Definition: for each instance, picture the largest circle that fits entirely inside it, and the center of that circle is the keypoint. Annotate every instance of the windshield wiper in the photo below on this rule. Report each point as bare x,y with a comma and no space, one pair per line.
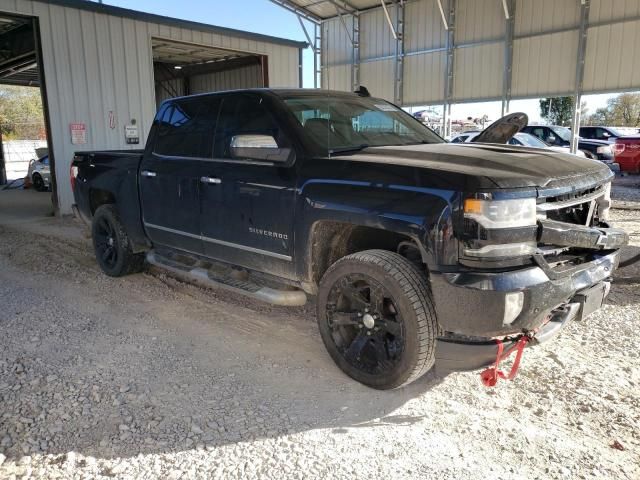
353,148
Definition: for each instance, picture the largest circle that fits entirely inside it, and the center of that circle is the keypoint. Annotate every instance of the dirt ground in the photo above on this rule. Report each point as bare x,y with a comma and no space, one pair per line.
147,377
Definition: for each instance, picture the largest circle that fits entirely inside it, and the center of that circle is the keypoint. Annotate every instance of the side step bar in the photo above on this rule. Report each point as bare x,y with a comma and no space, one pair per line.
207,278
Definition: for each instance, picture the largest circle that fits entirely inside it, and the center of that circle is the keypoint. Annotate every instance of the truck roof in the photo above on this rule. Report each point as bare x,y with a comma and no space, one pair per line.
284,92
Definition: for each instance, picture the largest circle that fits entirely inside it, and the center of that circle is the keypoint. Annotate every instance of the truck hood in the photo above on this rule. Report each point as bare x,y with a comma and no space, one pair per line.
491,165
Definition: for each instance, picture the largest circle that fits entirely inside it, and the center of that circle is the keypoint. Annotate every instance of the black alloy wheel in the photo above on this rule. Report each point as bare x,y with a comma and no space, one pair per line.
113,249
377,318
105,238
365,325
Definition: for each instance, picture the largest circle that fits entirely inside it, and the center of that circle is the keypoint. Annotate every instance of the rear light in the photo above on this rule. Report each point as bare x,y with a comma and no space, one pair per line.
618,148
73,173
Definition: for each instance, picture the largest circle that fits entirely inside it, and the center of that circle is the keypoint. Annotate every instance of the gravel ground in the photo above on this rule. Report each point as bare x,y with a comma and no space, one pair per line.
147,377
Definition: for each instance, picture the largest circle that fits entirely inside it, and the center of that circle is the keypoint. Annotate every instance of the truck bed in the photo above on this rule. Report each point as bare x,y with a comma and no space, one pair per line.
111,174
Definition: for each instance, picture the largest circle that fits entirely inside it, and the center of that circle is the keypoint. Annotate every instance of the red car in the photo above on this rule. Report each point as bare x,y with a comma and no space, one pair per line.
627,153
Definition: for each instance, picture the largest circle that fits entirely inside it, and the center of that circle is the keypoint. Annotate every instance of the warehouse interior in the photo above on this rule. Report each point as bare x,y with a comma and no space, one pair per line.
20,66
181,68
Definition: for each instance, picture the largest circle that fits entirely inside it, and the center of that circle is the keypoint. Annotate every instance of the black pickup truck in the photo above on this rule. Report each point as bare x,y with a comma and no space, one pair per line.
418,252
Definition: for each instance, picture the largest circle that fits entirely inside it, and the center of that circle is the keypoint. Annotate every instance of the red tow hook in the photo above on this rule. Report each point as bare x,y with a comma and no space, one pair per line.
491,375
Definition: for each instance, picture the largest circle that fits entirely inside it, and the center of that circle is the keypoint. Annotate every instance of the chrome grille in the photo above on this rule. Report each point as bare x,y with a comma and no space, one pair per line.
580,208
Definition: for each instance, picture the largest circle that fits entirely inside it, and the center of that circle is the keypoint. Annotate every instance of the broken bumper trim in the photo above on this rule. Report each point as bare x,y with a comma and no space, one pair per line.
452,355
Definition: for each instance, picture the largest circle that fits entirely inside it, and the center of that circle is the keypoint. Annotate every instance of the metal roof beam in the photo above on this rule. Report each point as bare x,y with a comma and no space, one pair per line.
299,11
344,6
505,7
444,17
386,14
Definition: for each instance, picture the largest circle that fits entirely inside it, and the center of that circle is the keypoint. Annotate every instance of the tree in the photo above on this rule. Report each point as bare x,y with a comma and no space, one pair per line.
557,110
621,111
21,114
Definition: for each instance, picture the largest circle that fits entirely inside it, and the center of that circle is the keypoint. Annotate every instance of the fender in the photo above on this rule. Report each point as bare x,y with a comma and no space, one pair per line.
424,214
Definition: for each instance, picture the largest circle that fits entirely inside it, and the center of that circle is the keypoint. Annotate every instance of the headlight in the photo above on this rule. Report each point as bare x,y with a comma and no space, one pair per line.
501,213
604,150
500,228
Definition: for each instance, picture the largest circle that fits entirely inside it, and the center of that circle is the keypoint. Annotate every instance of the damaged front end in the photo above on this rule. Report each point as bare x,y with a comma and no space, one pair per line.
504,304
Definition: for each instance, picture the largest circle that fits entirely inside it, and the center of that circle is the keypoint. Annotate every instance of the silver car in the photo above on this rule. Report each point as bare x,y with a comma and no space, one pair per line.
40,173
522,139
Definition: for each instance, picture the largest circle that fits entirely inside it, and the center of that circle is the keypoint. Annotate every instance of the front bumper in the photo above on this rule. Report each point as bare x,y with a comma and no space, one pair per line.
473,303
459,355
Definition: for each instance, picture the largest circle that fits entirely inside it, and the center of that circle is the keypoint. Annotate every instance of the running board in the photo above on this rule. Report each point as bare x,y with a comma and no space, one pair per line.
197,274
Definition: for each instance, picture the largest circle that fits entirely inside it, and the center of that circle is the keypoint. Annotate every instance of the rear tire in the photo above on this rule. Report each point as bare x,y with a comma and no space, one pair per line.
377,318
112,245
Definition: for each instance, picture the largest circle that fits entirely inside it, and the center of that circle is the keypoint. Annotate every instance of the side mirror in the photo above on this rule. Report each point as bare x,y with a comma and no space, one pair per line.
258,147
551,139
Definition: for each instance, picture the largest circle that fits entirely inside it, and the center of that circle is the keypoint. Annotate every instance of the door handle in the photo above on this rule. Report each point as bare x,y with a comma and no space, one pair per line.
147,173
210,180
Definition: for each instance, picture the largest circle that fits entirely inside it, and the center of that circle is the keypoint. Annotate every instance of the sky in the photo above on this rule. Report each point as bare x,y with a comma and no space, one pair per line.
259,16
262,16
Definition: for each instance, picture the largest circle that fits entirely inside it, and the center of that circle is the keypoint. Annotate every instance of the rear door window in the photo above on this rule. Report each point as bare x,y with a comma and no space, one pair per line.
186,128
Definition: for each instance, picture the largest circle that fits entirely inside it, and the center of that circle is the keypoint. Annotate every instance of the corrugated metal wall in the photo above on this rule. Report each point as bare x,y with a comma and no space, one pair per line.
96,63
244,77
545,50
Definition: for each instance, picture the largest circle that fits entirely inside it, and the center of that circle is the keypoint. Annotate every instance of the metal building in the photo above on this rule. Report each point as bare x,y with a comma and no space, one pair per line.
426,52
103,70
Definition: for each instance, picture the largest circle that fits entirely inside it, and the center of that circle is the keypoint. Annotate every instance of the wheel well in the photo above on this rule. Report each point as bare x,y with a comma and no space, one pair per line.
331,241
98,198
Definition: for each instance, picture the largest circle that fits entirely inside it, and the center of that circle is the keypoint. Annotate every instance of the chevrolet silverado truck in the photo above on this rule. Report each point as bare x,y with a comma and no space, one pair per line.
627,153
418,252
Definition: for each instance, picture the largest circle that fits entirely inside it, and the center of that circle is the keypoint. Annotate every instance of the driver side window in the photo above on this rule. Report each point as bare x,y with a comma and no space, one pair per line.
244,114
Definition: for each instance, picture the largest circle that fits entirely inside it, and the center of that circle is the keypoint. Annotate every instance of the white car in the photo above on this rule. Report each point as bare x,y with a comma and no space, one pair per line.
40,173
521,139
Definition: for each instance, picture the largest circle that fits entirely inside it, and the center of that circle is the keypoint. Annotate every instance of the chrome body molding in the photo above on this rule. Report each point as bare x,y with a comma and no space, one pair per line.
279,256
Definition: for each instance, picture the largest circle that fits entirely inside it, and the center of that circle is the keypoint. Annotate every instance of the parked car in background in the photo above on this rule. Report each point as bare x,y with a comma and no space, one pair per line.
561,137
608,134
521,139
627,153
40,174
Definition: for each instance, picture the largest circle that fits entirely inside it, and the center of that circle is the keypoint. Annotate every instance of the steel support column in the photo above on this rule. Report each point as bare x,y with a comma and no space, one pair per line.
448,79
317,55
577,96
355,52
398,81
510,16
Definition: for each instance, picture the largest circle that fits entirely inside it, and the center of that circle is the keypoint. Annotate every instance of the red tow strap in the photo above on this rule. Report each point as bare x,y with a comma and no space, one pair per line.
491,375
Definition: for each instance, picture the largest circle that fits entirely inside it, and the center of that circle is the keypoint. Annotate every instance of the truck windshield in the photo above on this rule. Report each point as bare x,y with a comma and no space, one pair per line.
341,124
563,132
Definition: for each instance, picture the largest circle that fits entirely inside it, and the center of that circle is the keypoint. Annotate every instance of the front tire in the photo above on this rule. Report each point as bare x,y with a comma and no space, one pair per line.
38,182
377,319
112,245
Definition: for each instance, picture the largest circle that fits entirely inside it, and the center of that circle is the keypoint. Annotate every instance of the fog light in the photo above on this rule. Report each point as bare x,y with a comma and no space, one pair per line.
513,303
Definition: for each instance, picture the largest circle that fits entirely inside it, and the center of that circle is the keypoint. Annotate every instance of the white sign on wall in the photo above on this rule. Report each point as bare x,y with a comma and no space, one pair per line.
78,133
131,134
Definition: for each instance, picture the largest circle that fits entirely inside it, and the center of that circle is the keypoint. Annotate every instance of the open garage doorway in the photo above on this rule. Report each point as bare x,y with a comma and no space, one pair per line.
26,162
186,69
